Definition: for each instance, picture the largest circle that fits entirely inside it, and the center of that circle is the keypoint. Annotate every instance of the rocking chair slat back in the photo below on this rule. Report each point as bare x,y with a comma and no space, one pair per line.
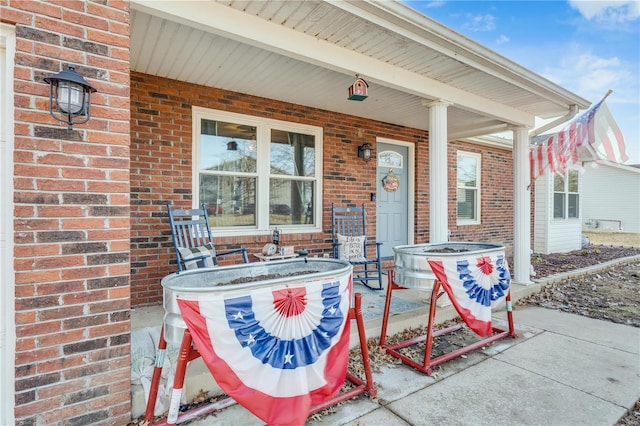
352,222
190,229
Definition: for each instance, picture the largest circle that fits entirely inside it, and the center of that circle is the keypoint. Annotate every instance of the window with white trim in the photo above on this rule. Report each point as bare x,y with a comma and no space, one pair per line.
468,188
256,174
566,197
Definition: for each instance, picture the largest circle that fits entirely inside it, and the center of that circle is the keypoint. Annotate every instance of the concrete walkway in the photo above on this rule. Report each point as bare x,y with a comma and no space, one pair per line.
562,369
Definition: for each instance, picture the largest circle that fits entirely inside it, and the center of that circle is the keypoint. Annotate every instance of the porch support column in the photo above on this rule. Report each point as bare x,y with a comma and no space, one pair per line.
438,186
522,207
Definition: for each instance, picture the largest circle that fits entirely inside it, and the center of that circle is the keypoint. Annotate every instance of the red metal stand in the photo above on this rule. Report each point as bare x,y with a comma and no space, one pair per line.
428,363
188,353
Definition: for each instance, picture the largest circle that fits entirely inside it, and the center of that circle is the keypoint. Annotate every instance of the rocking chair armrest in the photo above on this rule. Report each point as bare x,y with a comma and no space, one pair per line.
242,250
376,243
194,258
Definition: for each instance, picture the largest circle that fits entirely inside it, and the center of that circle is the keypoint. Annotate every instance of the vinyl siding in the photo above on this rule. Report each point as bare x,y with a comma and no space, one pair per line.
611,194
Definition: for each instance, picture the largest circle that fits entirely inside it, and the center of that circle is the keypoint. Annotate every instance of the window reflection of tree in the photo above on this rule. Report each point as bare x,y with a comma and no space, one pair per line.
292,161
227,172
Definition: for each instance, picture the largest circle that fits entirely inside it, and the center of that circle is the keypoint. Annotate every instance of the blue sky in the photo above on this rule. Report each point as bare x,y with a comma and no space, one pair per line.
586,46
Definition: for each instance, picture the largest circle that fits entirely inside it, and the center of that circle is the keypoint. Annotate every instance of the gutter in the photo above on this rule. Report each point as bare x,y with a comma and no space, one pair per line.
573,111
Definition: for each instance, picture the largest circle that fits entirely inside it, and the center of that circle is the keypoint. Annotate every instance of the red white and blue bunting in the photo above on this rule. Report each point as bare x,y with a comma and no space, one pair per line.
277,351
474,285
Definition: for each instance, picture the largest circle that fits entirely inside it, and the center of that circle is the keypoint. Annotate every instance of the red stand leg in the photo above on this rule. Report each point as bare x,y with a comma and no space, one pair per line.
189,353
155,379
361,386
428,362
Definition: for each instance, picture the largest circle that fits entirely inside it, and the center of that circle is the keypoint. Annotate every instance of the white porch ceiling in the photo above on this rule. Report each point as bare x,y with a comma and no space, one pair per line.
308,53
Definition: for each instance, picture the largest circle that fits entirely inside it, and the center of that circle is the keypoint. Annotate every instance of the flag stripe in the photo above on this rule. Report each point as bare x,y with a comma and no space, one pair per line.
592,136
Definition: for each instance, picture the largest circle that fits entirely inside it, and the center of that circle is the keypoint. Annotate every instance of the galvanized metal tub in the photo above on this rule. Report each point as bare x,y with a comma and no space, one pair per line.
412,268
220,280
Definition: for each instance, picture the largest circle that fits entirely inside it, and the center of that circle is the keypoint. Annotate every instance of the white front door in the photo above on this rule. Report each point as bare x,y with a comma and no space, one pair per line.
394,195
7,321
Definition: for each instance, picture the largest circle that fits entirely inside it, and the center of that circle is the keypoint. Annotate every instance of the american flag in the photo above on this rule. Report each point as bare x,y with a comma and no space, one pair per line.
593,136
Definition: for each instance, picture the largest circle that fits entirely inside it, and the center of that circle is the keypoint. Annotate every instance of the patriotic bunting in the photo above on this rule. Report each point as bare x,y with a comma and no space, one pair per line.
275,350
474,286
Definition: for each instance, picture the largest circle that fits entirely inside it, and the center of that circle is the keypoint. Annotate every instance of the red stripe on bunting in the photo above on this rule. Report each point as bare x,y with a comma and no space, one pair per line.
285,411
481,328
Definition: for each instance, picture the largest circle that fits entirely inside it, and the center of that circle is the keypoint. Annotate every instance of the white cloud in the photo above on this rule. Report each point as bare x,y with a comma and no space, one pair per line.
610,11
480,23
502,39
433,4
591,76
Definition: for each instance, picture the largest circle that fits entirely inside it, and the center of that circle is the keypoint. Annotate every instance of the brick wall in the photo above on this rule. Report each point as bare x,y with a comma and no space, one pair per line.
496,192
161,152
71,217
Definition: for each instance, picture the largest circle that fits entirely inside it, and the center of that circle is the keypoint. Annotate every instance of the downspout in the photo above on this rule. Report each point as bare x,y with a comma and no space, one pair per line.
573,110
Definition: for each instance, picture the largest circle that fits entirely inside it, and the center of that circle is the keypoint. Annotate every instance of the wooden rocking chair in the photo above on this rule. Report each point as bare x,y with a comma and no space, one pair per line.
192,239
349,232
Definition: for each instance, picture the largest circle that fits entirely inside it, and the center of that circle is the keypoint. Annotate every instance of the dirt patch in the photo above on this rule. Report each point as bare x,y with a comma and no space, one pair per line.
545,265
614,238
612,295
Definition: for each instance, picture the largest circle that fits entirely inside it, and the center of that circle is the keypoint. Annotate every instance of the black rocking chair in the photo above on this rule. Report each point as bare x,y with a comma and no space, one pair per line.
192,239
349,232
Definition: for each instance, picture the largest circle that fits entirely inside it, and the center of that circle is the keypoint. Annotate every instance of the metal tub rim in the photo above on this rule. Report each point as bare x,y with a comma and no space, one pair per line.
169,281
413,249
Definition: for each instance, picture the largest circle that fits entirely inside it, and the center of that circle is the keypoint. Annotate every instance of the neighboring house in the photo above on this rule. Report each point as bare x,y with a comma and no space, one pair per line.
597,196
557,221
89,238
611,197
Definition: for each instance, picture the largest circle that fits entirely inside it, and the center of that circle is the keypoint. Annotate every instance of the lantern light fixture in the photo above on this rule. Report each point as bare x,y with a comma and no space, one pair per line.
72,96
364,151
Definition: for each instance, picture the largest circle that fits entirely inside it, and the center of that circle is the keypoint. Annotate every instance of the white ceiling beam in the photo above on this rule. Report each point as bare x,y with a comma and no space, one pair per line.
225,21
478,130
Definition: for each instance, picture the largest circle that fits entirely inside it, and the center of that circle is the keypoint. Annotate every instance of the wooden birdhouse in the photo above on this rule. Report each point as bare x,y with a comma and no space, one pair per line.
358,90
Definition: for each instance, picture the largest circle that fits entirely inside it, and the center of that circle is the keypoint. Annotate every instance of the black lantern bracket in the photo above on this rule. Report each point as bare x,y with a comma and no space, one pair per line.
364,151
71,94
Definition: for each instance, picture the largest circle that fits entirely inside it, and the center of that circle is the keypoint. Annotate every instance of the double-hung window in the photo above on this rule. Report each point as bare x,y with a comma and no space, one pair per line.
468,188
566,197
256,174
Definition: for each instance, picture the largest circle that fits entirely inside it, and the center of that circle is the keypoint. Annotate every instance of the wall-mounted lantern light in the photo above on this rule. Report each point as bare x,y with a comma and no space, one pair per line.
364,151
72,95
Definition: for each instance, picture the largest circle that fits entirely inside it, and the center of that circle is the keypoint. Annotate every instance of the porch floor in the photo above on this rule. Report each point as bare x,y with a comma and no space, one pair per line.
409,309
